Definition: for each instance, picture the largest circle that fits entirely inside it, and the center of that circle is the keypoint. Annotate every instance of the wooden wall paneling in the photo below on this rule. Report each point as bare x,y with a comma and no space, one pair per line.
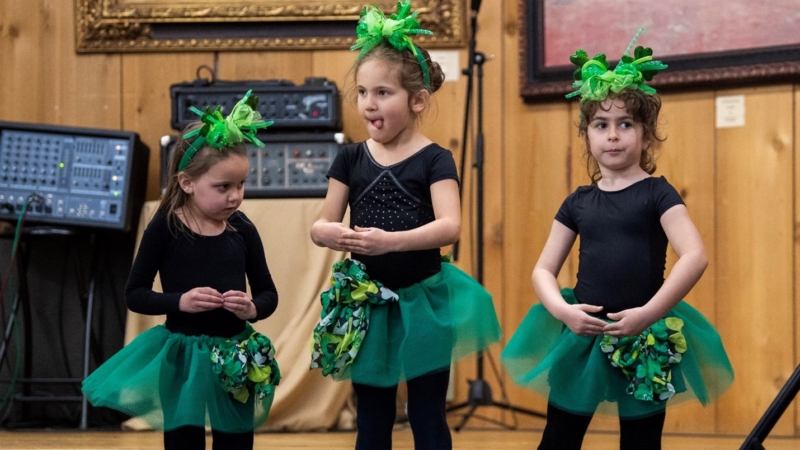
293,66
43,80
147,105
795,409
535,182
687,160
755,229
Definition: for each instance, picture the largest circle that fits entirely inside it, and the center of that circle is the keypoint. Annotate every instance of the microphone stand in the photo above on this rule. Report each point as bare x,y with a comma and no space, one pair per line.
480,393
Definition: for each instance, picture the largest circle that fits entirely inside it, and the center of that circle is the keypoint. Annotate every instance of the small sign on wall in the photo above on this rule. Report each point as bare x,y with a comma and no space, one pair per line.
730,111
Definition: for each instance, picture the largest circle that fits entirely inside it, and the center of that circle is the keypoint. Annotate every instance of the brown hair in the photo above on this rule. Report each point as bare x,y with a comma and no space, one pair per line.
644,109
409,69
174,198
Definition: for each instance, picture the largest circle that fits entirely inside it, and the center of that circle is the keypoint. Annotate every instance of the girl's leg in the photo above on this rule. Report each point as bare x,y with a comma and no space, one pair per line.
564,430
232,441
427,397
185,438
375,414
641,434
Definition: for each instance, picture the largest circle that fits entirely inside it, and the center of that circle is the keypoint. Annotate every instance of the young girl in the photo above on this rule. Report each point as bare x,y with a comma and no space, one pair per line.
206,365
623,341
402,190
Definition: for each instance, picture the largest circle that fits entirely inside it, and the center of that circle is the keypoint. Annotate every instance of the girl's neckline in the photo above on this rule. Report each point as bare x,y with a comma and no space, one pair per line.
624,188
183,219
374,161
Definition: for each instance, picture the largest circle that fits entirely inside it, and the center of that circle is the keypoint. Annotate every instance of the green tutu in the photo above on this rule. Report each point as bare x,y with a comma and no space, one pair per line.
168,380
575,375
437,321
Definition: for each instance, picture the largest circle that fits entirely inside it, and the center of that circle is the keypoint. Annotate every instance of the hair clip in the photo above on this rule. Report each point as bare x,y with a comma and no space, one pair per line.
219,132
374,27
594,80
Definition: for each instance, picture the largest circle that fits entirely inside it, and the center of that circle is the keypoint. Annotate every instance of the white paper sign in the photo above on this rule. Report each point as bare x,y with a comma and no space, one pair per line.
730,111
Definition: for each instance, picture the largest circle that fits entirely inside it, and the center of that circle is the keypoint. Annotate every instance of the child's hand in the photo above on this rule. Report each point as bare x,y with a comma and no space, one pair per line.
630,322
200,299
367,241
578,320
330,235
238,303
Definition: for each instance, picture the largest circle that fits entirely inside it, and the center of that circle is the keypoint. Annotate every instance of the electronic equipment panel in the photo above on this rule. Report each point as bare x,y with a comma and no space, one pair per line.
316,104
289,165
74,176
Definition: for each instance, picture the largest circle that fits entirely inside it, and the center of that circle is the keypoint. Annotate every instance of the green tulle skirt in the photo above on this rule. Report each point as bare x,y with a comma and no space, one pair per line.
576,376
436,321
167,379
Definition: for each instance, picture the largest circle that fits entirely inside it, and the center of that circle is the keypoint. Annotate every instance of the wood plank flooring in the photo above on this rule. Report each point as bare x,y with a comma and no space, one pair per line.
467,439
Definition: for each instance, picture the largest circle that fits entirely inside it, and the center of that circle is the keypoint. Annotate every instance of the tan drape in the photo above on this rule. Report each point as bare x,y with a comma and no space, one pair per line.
305,400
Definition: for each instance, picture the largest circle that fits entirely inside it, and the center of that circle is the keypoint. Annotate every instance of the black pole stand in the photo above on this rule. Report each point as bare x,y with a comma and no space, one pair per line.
480,393
773,413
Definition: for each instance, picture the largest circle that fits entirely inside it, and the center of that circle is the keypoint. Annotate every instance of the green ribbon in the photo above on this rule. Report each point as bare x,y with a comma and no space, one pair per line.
374,27
647,359
219,132
345,316
246,365
594,80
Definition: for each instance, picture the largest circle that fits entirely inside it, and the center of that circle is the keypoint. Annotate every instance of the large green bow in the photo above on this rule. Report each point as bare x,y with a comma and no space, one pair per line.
594,80
373,27
219,132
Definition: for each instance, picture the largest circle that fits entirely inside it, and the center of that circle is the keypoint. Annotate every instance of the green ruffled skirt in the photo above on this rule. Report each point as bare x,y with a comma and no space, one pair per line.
436,321
576,376
167,379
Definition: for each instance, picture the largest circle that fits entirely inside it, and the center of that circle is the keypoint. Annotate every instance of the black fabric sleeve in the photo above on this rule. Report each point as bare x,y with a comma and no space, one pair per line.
666,196
442,166
262,287
139,295
339,170
564,214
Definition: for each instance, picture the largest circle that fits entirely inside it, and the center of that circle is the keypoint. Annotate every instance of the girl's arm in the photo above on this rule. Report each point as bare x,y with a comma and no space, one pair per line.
444,230
692,262
327,231
555,252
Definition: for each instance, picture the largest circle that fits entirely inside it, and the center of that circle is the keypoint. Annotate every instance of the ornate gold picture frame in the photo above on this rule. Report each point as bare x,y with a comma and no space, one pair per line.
195,25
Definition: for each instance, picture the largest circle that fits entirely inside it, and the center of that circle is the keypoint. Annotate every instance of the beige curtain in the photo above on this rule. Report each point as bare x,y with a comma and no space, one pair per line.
305,400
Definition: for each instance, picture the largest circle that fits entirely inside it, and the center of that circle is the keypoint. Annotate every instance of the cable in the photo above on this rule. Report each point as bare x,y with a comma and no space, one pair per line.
33,197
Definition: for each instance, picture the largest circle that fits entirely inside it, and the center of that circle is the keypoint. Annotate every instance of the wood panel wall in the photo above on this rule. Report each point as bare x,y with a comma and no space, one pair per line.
739,183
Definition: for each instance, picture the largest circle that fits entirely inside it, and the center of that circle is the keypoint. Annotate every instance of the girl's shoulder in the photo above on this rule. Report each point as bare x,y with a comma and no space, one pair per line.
240,222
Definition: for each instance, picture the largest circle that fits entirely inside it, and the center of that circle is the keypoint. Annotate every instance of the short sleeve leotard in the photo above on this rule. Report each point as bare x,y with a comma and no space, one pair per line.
394,198
622,255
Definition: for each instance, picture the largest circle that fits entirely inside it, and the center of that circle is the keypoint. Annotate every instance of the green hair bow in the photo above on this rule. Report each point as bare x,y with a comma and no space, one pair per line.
219,132
373,27
594,80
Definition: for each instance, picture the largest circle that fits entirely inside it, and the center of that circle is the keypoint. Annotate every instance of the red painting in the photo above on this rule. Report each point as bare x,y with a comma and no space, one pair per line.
672,27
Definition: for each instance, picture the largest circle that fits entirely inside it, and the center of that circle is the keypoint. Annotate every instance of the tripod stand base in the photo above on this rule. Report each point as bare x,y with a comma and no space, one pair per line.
480,394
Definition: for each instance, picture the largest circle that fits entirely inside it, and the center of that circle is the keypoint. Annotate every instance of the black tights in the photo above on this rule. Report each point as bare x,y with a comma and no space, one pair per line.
565,431
427,409
194,438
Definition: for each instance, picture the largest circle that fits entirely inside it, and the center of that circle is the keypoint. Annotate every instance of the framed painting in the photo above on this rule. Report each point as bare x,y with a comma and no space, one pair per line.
706,44
203,25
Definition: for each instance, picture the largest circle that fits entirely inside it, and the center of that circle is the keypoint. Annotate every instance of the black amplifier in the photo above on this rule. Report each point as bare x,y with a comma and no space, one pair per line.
290,165
316,104
79,176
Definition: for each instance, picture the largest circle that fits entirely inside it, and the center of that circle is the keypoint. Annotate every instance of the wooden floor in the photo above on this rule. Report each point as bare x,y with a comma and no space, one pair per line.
467,439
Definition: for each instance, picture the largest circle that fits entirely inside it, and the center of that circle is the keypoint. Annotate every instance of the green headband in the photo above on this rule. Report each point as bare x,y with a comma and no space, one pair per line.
373,27
219,132
594,80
